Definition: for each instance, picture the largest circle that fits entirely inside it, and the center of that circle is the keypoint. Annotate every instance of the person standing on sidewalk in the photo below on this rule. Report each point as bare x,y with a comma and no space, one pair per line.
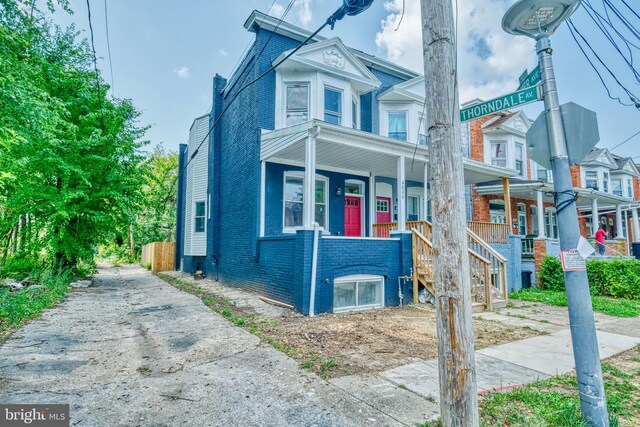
600,235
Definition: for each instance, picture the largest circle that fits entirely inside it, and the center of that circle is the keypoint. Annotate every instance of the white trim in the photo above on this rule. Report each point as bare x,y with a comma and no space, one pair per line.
372,203
321,168
195,216
401,192
341,113
263,184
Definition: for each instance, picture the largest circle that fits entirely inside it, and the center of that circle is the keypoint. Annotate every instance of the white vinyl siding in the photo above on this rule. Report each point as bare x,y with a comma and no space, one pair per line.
195,244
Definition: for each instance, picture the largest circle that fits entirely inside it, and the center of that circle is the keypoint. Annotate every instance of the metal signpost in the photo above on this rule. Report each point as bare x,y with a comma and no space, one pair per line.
538,19
505,102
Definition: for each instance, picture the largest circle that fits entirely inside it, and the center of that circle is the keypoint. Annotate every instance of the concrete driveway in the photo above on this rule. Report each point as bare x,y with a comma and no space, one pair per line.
132,350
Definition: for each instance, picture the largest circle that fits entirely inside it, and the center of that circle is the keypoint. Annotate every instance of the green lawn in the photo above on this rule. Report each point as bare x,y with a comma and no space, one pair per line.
16,308
618,307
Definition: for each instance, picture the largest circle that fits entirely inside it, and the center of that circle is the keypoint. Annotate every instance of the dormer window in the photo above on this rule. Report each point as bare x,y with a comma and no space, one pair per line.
499,153
332,105
398,125
520,159
616,185
297,103
591,179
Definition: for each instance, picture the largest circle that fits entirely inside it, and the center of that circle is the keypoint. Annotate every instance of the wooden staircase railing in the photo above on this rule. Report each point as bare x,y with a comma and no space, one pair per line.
487,269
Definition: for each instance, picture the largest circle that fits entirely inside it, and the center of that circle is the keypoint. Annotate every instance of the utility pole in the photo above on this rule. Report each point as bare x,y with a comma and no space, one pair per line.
456,359
538,19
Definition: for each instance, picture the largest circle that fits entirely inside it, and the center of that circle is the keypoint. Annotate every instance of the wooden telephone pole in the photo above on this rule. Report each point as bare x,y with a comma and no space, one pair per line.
457,370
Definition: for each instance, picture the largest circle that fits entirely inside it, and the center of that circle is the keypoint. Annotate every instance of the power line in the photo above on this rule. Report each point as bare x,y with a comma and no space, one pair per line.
95,65
106,26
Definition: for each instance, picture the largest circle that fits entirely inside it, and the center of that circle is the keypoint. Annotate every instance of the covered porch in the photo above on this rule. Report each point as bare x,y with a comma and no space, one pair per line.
364,185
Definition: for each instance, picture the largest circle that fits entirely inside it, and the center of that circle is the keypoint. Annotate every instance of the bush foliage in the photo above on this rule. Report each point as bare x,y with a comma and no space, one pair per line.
619,278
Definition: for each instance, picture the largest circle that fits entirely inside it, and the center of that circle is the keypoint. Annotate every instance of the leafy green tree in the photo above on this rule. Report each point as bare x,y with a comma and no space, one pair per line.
69,156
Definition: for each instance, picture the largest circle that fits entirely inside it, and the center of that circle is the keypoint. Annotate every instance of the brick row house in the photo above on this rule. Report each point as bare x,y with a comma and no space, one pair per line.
606,185
311,188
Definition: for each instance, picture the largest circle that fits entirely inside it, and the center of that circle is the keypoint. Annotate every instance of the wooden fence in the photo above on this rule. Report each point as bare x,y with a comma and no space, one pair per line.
159,255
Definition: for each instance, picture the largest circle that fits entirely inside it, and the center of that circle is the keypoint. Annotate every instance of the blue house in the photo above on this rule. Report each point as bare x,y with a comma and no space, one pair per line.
309,187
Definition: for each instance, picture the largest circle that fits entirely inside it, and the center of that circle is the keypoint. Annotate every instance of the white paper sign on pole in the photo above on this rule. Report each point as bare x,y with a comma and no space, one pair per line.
585,248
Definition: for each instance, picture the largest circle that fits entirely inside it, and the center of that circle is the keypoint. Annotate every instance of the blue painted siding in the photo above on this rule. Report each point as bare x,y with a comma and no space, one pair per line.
274,198
512,251
276,266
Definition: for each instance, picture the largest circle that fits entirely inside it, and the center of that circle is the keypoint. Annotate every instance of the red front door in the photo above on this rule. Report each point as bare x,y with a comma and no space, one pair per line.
352,217
383,210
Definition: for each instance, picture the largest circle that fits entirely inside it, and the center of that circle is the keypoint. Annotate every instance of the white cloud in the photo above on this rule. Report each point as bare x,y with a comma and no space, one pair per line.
489,60
182,72
276,10
304,11
223,53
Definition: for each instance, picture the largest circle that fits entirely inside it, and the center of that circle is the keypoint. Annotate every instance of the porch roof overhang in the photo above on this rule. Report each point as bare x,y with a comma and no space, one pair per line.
527,190
361,153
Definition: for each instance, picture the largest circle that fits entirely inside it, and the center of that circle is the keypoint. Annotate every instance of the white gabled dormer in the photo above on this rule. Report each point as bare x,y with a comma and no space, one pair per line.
402,111
321,81
505,141
596,169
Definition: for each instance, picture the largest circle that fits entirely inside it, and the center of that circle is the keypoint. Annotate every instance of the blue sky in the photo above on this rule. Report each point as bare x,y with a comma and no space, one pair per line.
165,53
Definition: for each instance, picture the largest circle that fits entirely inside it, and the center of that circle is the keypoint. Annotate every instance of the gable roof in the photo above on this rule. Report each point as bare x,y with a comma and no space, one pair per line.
410,90
600,156
331,56
506,118
261,20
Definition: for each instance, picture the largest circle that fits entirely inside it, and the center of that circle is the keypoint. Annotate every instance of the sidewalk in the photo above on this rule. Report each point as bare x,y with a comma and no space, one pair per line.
409,393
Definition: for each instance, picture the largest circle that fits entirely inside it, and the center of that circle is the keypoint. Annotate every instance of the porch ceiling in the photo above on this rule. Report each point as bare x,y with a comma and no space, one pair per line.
586,196
362,153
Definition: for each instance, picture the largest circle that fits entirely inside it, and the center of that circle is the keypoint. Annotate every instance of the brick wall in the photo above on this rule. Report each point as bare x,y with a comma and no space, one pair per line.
477,139
575,176
636,188
539,252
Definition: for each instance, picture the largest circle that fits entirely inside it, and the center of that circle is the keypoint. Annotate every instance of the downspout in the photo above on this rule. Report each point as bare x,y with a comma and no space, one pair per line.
314,269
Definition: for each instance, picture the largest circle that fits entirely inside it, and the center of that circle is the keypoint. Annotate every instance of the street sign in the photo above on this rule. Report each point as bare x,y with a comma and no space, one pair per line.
580,132
531,79
505,102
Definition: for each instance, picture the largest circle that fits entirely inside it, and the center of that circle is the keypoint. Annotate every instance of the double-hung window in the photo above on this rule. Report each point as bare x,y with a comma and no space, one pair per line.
520,159
294,201
543,174
198,218
616,185
398,125
297,103
422,134
629,188
413,208
591,179
332,105
605,182
499,153
354,113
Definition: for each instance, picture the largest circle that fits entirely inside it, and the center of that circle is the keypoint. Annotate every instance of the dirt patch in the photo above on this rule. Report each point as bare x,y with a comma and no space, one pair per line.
375,340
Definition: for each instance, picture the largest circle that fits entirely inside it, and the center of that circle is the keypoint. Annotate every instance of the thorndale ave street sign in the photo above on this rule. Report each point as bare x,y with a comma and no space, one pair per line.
530,79
505,102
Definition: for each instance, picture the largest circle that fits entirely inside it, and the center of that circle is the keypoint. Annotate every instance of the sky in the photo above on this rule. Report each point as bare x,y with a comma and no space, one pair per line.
165,53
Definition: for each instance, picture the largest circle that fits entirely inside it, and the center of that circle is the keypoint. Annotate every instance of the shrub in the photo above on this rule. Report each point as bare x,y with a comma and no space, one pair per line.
619,278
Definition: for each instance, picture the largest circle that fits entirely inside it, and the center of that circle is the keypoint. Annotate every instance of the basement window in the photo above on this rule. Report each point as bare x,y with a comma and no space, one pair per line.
359,292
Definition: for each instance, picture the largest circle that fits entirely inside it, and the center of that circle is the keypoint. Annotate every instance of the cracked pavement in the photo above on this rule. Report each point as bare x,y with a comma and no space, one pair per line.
131,350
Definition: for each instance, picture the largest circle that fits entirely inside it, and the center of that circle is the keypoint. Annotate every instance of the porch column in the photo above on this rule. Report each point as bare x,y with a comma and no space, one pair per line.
309,190
372,203
542,233
636,225
263,176
507,203
402,198
425,191
595,217
619,234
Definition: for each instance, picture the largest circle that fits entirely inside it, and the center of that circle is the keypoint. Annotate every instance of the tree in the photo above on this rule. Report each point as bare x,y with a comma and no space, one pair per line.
69,157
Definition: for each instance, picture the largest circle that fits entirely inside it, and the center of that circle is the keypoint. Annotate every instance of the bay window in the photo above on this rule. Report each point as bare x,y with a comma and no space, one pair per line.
605,182
332,105
591,179
616,186
499,153
423,138
398,125
520,159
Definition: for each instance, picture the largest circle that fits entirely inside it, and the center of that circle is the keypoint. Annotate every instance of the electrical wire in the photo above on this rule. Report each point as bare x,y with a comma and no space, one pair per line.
106,26
404,3
95,66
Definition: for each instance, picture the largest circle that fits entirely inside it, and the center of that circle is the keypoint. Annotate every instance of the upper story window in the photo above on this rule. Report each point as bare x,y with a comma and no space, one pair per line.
422,134
591,179
605,182
520,159
543,174
629,188
297,103
499,153
332,105
294,200
398,125
616,186
354,113
199,215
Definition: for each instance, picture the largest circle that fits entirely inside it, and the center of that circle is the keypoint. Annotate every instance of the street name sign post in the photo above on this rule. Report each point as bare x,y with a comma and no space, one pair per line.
531,79
505,102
